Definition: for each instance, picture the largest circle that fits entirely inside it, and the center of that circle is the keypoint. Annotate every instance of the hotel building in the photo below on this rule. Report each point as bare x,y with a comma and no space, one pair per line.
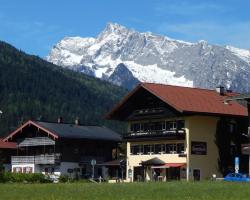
173,131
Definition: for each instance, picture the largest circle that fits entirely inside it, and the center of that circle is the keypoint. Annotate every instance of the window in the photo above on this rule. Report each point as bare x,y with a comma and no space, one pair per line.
159,148
135,149
152,126
148,149
135,127
160,126
145,127
171,148
171,125
180,124
180,148
17,169
231,128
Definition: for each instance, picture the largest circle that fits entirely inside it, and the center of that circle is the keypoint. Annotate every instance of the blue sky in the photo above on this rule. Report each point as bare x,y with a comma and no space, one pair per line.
36,25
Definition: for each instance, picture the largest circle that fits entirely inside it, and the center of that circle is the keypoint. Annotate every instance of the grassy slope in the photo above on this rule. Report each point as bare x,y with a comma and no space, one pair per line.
145,191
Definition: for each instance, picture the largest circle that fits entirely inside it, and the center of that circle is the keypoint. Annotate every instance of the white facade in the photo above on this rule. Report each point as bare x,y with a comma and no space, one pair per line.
58,170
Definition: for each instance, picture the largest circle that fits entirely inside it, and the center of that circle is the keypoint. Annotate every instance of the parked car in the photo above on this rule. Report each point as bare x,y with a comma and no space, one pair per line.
237,177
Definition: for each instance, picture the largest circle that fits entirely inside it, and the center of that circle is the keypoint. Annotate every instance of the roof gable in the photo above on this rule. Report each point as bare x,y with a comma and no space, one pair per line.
188,100
60,130
29,123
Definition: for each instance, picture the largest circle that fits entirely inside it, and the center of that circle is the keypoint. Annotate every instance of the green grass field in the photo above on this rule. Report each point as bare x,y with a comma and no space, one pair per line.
145,191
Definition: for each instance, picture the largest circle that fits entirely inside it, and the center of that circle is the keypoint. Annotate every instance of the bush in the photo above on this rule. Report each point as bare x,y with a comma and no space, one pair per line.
64,179
23,178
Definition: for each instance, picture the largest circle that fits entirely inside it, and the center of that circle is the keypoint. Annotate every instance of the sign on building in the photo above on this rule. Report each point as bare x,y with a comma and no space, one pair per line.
199,148
236,164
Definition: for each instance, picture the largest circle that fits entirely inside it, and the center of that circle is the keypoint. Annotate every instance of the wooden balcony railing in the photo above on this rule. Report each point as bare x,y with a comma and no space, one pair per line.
37,159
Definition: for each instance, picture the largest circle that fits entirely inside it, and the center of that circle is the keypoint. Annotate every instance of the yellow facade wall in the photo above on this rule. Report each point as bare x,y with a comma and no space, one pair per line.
135,160
198,129
203,129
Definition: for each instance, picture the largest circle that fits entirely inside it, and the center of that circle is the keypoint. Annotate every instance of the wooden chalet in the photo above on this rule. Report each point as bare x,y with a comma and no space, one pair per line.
59,148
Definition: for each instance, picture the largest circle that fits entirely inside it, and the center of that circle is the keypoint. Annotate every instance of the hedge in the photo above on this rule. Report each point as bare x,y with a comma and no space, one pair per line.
7,177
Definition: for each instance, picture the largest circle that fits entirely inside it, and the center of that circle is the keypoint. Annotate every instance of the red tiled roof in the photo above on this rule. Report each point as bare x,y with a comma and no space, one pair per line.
7,145
196,100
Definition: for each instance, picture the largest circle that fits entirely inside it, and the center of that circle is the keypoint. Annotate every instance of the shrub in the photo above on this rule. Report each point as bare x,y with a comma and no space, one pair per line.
24,178
64,179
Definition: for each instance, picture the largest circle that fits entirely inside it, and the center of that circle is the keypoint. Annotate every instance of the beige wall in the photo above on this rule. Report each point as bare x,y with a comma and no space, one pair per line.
203,129
135,160
199,129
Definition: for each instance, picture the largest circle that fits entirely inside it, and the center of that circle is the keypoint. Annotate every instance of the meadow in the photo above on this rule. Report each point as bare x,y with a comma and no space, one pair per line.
129,191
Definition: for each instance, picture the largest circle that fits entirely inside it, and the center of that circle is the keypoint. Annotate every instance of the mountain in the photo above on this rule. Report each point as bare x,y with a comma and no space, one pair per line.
122,76
150,57
32,88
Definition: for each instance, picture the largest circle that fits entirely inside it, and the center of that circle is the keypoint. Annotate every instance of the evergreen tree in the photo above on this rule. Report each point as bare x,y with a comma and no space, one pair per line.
32,88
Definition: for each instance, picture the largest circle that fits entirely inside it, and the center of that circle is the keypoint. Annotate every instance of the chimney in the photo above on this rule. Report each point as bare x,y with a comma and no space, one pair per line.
77,121
220,90
59,120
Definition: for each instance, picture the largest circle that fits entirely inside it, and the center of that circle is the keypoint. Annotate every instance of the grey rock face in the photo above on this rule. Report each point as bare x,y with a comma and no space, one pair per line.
123,77
124,57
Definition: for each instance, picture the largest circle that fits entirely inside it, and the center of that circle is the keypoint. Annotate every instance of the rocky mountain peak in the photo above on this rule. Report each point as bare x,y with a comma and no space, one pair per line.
148,57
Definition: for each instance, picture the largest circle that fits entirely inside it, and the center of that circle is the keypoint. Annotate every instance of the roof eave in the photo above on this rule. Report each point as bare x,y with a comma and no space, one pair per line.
124,99
108,116
167,102
26,124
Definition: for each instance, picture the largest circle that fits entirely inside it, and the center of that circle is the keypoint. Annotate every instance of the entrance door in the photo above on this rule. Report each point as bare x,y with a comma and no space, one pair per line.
197,174
138,173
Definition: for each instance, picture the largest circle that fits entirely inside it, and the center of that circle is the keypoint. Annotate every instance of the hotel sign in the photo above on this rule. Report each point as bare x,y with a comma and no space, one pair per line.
199,148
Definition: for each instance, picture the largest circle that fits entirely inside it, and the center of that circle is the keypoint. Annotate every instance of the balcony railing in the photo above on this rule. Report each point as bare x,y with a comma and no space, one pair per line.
38,159
176,133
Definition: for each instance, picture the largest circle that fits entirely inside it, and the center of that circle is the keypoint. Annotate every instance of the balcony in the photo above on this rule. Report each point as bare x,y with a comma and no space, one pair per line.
168,134
42,159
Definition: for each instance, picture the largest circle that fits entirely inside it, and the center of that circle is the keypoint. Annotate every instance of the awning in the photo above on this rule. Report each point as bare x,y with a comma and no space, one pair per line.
152,162
168,165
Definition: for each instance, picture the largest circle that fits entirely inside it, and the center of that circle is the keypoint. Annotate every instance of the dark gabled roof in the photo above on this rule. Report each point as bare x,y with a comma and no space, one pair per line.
60,130
78,131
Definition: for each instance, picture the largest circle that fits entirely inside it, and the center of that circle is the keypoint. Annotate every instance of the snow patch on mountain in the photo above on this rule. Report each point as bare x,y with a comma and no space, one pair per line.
244,54
149,57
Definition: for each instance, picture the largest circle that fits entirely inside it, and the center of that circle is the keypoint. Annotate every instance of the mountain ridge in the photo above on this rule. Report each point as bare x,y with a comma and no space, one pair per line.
154,58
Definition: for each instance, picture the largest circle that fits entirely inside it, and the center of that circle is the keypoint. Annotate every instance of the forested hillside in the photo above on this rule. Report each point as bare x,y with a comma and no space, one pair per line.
32,88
